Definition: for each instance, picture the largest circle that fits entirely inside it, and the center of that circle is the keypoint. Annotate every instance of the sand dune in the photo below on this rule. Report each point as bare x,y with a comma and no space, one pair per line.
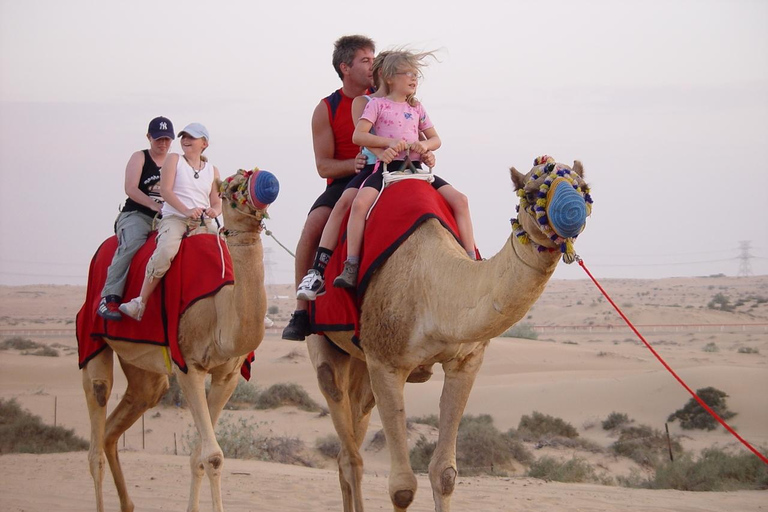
572,373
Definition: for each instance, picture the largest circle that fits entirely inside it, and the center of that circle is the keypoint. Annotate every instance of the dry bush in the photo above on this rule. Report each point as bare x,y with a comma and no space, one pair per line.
330,446
574,470
645,445
431,419
18,343
714,470
22,432
616,420
694,416
538,425
289,393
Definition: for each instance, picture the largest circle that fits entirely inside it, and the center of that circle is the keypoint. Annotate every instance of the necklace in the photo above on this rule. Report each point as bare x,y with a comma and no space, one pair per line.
196,171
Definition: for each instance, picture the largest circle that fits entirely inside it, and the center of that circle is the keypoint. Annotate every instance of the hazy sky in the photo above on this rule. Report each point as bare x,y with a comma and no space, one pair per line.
665,103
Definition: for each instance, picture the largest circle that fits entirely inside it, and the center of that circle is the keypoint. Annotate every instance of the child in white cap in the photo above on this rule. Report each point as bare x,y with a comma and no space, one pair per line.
188,186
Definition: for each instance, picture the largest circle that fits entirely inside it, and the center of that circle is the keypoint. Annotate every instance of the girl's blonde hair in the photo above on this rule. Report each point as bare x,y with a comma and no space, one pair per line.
397,60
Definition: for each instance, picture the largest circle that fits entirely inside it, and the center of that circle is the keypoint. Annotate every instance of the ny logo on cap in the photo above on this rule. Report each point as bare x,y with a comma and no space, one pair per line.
163,125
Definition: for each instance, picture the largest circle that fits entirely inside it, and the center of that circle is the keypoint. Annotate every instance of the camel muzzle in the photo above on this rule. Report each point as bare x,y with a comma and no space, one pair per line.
566,209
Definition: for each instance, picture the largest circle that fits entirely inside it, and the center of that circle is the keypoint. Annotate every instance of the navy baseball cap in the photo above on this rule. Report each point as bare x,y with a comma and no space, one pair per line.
161,127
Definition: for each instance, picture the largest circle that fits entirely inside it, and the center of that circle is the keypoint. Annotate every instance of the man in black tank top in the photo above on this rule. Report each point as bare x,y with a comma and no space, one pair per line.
133,225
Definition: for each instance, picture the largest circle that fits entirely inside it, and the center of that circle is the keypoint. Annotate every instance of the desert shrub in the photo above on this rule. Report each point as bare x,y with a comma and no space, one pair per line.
421,454
378,441
694,416
521,330
330,446
720,301
18,343
710,347
645,445
538,425
615,420
241,440
289,393
43,350
22,432
430,419
245,395
747,350
573,470
715,470
273,310
480,447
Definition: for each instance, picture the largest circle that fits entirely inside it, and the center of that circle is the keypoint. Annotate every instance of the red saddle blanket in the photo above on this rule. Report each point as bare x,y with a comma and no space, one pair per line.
194,275
401,209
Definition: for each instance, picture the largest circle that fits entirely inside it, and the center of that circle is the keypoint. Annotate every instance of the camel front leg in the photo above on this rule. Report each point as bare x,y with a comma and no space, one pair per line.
344,384
387,384
223,384
459,378
97,385
211,457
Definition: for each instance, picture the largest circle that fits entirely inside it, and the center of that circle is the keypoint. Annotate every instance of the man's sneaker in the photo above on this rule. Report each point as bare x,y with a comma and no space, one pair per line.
134,308
108,308
298,327
348,278
312,286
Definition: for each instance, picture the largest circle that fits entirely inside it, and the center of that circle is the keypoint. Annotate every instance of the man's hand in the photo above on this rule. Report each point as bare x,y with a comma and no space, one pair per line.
360,161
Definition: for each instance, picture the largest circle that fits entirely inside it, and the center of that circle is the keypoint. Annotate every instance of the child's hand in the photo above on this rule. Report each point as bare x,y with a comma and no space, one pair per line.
388,155
211,213
419,147
194,213
398,145
429,159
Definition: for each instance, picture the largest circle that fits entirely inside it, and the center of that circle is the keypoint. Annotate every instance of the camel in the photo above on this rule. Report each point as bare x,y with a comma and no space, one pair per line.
215,335
429,303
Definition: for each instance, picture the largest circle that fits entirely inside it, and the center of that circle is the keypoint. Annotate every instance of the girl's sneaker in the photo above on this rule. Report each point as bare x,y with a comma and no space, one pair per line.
348,278
134,308
312,286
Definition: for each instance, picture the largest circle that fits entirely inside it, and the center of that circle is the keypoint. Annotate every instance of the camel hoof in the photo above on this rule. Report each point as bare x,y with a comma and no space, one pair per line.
327,382
403,499
420,374
448,481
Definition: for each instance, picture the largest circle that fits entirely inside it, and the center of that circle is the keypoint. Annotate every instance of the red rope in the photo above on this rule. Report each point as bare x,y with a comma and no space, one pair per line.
670,370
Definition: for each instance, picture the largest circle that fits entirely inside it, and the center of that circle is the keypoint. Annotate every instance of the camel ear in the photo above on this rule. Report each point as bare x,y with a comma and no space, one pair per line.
518,179
578,168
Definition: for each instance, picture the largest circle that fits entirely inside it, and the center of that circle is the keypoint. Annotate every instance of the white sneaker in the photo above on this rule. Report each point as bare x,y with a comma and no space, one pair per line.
268,322
312,286
134,308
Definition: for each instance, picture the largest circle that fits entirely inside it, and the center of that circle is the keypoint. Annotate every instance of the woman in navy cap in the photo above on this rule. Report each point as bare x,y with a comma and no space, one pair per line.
188,186
142,185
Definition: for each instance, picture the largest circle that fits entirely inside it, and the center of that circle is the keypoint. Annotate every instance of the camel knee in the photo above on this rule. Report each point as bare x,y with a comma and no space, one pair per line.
327,381
447,481
100,390
403,498
214,463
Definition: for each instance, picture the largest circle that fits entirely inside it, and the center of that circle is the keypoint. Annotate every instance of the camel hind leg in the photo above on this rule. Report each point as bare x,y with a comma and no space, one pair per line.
223,384
344,382
144,391
459,378
97,385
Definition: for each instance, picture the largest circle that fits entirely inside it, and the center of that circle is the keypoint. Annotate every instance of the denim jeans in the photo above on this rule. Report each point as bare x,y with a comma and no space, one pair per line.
132,230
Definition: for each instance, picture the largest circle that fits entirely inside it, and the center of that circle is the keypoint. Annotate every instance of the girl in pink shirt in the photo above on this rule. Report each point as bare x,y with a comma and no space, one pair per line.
397,119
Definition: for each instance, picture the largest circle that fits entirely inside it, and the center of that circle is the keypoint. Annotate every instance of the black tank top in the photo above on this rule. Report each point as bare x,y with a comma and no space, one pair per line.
149,183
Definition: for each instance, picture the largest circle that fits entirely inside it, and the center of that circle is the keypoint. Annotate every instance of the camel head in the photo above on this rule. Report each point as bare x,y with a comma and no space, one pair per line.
246,196
554,205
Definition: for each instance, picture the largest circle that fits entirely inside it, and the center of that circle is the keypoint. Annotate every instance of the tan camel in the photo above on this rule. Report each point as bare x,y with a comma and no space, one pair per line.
215,334
430,304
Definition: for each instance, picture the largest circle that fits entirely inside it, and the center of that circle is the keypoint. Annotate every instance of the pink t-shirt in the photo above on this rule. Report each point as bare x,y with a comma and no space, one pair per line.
397,121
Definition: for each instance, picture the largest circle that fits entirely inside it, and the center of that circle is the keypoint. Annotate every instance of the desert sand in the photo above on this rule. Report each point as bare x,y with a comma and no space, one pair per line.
583,366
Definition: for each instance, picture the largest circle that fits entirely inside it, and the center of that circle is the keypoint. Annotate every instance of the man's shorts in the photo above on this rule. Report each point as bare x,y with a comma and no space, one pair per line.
332,193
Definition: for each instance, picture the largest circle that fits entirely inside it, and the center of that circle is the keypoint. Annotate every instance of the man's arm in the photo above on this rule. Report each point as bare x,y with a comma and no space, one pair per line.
324,146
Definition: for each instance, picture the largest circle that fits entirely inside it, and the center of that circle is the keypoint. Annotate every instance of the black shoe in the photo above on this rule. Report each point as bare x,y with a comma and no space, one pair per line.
298,327
108,308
